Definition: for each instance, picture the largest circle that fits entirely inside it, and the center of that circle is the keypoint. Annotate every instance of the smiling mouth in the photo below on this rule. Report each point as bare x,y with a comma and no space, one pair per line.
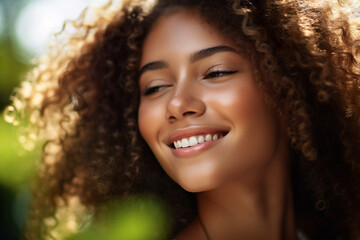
196,140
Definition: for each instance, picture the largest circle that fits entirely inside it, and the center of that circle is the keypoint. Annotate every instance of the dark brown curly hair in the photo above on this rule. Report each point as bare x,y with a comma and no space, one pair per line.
83,99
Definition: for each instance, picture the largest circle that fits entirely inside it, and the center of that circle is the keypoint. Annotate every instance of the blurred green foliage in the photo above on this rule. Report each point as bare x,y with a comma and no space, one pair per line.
141,218
11,70
17,165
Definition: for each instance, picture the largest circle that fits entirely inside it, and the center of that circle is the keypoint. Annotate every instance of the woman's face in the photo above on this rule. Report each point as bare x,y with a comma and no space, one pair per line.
200,110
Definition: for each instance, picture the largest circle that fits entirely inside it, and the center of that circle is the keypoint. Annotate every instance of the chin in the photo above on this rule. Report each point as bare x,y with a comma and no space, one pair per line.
197,184
195,189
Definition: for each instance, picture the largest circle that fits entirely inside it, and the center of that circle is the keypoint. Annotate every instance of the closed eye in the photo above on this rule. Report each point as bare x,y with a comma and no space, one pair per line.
217,73
152,90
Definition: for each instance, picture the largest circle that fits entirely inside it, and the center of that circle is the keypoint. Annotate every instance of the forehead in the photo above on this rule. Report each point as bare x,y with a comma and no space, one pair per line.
181,32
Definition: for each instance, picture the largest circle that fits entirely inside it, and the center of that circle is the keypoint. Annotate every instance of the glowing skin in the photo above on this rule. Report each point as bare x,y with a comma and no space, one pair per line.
194,82
189,98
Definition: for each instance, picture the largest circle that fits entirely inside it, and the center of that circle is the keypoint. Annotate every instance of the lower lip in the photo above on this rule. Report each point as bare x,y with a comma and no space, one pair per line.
194,150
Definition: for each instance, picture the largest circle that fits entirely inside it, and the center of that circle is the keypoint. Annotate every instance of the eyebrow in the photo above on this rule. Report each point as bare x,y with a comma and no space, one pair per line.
207,52
153,66
196,56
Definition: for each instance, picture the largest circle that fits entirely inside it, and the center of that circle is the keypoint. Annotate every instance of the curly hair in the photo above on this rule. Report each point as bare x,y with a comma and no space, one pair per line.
83,98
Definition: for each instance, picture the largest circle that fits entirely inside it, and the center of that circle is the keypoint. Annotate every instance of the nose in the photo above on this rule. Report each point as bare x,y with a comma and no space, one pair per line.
183,103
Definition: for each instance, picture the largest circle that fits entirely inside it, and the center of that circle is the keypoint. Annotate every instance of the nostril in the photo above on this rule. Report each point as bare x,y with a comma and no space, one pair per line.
179,107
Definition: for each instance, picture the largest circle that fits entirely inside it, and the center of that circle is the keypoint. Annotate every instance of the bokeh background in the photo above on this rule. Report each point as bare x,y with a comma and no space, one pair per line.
25,27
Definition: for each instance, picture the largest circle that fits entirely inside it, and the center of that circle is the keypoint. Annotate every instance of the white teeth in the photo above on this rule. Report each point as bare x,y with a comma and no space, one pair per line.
184,143
208,137
192,141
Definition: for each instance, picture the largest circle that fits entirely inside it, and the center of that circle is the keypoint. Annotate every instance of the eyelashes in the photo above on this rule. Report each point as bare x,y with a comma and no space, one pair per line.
218,73
154,89
210,74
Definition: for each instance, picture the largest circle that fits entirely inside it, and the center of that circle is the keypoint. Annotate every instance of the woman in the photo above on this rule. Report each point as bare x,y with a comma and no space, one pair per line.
243,116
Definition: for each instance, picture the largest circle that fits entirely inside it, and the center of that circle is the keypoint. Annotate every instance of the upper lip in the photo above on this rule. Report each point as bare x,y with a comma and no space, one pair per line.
181,133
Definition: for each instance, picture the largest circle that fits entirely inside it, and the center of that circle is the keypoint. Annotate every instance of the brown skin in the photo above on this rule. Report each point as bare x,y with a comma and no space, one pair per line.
240,189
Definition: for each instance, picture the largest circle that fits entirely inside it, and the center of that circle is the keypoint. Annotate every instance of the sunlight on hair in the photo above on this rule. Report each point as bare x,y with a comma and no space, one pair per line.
336,9
11,115
27,143
69,218
55,12
26,89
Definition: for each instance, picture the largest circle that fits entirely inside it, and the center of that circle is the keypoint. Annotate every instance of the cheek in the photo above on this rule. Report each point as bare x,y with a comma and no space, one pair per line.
249,108
151,117
148,117
248,103
240,102
256,127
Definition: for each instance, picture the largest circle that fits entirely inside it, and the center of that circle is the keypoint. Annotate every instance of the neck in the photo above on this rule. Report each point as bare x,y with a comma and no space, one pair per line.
256,206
